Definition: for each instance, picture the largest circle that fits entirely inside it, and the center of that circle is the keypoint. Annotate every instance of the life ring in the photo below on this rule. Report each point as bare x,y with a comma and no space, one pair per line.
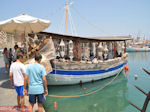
77,50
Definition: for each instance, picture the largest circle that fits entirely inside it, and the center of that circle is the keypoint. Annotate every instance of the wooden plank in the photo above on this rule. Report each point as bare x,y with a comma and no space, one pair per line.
135,106
146,71
141,90
146,103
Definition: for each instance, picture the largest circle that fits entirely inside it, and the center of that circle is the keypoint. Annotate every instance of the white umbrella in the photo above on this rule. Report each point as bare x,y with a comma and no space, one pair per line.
24,24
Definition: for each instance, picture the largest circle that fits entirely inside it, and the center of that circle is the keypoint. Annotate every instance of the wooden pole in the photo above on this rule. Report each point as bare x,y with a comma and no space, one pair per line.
66,20
141,90
146,103
26,36
146,100
146,71
135,106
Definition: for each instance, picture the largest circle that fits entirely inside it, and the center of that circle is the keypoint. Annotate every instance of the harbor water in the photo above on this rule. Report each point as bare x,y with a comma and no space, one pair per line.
113,98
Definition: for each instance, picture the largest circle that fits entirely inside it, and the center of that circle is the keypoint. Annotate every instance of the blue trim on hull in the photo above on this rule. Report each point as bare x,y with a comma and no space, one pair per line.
85,72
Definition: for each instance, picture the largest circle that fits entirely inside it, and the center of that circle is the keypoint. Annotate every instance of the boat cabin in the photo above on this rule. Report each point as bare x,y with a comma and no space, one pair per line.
90,49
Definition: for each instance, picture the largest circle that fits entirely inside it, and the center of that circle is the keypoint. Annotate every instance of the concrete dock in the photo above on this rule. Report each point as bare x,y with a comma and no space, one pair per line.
8,95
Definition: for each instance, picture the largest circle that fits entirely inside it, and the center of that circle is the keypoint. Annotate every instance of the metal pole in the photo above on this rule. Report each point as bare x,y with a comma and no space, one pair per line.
26,36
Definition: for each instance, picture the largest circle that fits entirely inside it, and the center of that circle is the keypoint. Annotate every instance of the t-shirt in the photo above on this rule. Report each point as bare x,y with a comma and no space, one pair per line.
35,71
18,69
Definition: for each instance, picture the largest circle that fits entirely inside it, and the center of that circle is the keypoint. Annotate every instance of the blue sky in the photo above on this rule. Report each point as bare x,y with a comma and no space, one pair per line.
94,17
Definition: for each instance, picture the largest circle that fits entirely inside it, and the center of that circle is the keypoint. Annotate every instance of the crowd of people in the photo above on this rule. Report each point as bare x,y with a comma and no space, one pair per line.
9,56
29,81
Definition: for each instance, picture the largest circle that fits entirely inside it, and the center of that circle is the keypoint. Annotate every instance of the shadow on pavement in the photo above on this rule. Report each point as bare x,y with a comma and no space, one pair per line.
6,84
3,75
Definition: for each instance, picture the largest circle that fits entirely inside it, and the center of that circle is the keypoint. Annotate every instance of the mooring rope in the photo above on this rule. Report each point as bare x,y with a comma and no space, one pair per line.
107,84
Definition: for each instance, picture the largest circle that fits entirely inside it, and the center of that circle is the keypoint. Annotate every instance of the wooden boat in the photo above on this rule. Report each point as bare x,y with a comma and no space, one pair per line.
80,59
73,59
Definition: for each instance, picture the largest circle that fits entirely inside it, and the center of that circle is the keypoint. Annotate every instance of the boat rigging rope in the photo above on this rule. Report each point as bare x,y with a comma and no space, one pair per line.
72,25
62,24
107,84
90,23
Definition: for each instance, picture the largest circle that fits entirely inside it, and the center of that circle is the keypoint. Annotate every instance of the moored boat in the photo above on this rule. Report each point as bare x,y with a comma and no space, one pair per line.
138,49
138,45
80,59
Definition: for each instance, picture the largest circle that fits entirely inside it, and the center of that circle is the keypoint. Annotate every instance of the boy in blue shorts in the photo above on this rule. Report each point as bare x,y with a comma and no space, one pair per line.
37,83
16,76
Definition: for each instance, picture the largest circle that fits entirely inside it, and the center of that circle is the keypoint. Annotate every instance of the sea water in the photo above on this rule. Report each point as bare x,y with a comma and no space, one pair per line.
113,98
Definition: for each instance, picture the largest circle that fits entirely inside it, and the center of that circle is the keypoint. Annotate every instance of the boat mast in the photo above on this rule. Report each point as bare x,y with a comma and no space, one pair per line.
66,7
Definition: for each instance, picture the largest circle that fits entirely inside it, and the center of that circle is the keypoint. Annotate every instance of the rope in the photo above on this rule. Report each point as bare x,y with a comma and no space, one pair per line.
61,28
72,24
88,22
107,84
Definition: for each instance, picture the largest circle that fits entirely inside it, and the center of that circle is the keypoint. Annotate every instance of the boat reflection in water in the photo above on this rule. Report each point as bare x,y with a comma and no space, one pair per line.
110,99
140,56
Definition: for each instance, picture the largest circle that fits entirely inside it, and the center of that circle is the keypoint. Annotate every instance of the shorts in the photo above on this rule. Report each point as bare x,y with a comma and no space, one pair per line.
5,60
19,90
40,97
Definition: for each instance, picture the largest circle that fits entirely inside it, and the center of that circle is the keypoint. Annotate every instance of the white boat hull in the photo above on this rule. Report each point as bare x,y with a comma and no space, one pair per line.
133,49
59,79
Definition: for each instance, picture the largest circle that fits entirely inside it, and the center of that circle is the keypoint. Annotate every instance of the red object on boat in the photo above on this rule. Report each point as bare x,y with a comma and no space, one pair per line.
126,67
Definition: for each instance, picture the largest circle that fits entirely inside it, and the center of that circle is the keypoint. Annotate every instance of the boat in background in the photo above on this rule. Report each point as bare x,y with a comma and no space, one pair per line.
138,45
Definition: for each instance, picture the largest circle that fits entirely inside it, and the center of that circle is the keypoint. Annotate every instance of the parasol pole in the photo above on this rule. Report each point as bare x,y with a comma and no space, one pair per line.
26,36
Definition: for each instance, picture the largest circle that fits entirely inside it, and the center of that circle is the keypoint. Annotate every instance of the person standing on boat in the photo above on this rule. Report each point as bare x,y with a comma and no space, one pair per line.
115,50
5,53
16,76
37,83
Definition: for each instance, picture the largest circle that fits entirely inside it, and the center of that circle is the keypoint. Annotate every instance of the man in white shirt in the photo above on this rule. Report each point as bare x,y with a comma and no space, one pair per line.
16,75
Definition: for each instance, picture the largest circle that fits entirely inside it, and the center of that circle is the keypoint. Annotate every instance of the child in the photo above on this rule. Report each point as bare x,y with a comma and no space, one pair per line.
5,53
